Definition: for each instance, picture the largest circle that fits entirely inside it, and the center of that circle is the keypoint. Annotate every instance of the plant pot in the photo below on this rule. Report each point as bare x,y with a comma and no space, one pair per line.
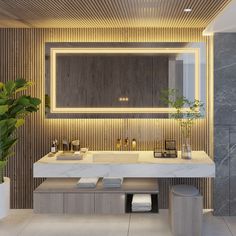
4,198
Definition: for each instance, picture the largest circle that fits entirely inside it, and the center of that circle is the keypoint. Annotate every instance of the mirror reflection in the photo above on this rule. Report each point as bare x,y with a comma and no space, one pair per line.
134,79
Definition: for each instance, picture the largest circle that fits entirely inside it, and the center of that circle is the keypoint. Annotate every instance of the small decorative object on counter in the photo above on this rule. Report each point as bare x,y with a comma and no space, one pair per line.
53,147
133,143
157,153
126,142
75,145
169,152
118,143
84,150
170,144
165,154
65,145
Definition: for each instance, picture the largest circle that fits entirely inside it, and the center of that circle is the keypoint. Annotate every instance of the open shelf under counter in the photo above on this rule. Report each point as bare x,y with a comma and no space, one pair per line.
62,195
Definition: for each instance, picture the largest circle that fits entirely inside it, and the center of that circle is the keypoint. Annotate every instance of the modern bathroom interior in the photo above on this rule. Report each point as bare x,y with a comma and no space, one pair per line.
117,117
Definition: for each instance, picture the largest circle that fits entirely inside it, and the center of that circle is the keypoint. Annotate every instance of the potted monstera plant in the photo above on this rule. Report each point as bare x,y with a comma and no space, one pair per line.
14,107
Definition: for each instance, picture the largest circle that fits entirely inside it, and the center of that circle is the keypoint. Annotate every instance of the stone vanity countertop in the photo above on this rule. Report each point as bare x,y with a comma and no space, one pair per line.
201,165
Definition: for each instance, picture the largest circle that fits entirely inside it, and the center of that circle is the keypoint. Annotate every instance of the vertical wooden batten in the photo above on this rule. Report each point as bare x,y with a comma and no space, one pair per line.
22,55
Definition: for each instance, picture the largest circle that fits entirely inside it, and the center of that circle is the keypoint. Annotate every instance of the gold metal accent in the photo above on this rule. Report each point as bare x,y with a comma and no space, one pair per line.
133,143
118,143
126,142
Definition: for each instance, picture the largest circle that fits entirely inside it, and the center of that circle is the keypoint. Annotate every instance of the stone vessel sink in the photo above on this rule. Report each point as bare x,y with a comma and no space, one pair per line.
116,157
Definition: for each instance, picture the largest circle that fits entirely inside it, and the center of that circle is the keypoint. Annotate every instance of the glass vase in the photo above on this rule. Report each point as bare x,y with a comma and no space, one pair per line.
186,152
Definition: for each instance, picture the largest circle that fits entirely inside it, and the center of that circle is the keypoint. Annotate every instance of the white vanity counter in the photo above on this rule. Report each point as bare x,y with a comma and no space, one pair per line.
147,166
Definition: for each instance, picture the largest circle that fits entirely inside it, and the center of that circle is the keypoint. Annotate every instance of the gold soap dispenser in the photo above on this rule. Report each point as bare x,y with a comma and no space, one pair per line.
134,143
118,144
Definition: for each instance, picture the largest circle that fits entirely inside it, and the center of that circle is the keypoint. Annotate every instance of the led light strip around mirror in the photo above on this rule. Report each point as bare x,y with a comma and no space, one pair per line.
112,110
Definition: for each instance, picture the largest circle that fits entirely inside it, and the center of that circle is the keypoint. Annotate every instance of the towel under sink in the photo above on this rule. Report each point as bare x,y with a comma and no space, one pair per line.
116,157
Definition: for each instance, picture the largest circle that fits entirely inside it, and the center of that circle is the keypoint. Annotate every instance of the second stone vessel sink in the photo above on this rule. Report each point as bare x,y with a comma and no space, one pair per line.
116,157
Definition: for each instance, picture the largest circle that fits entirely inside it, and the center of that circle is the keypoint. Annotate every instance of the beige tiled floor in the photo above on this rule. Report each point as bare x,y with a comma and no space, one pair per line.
26,223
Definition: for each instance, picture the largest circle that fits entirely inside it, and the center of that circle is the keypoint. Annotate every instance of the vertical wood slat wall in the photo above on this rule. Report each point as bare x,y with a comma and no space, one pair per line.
22,55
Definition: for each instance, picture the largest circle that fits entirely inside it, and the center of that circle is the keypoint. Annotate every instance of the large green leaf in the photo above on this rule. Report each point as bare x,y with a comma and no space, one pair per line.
20,122
35,101
6,155
7,127
10,87
3,109
1,85
3,101
3,129
20,83
2,164
15,109
24,100
8,143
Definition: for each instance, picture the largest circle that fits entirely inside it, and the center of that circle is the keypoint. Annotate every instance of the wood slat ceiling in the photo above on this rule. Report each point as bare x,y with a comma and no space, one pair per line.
108,13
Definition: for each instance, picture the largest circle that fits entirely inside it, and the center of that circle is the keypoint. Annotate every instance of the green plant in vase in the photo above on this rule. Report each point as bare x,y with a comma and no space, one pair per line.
14,108
186,113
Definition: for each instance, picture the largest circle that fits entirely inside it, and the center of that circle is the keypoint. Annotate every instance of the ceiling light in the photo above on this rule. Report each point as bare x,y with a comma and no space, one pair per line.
187,9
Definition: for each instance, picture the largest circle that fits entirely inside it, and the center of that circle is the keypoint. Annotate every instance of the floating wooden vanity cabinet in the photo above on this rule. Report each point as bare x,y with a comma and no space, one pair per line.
62,195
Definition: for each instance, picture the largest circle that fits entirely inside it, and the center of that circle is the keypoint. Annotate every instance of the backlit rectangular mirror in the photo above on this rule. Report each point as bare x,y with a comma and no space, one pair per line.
120,80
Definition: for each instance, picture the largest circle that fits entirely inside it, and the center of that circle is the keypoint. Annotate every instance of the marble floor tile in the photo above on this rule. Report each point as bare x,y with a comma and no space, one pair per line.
150,224
214,226
26,223
15,222
74,225
231,222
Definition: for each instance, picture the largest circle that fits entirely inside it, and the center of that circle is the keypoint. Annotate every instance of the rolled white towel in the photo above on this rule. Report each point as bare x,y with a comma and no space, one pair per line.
141,209
87,182
142,200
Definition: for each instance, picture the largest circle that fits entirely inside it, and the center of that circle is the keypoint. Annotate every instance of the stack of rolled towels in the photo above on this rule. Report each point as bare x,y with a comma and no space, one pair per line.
141,203
112,182
87,182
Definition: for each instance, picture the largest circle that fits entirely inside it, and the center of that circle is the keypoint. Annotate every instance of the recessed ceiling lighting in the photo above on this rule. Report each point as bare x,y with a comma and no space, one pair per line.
187,9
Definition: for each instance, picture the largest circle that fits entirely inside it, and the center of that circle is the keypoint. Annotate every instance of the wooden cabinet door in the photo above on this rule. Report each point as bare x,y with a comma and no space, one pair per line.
78,203
109,203
48,203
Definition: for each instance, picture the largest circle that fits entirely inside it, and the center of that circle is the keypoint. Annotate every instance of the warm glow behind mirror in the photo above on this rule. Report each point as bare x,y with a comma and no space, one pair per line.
118,81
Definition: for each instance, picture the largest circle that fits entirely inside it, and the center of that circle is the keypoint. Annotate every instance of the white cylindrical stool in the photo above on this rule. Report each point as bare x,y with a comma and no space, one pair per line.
185,210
